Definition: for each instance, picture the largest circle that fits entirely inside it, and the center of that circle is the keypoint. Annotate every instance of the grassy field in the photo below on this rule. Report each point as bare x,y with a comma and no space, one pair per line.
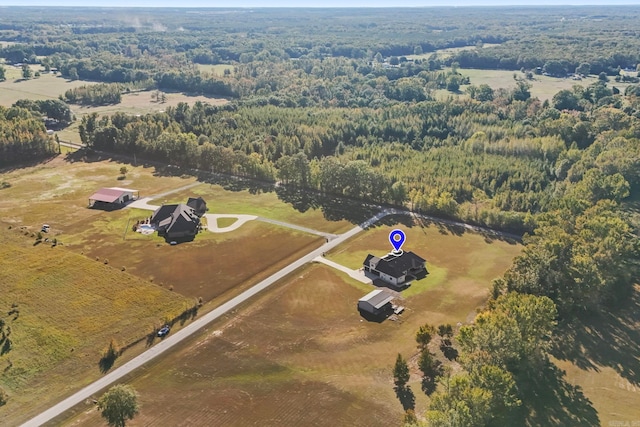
70,307
266,204
210,266
446,53
542,87
302,355
57,192
47,86
454,258
216,70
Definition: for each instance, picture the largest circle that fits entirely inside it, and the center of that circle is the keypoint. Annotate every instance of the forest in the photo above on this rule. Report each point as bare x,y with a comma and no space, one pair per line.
363,104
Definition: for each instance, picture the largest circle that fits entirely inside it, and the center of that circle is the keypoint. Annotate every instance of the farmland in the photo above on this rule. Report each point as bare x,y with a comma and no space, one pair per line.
68,309
305,339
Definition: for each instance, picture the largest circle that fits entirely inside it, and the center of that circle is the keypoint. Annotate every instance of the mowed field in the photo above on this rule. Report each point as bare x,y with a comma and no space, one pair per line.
542,87
47,86
266,204
63,309
57,192
301,354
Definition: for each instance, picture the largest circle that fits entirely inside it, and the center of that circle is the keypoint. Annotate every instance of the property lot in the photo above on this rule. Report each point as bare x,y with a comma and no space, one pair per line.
207,267
235,198
57,192
456,258
302,355
63,309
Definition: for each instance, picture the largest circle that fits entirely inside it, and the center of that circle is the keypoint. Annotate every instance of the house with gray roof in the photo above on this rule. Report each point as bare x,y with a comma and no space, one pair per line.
176,221
395,270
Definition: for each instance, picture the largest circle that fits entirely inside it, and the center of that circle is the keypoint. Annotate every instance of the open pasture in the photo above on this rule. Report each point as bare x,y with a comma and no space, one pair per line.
215,69
542,87
57,192
63,309
304,341
47,86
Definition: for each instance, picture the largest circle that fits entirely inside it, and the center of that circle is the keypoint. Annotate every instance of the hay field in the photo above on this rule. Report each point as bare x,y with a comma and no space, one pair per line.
69,308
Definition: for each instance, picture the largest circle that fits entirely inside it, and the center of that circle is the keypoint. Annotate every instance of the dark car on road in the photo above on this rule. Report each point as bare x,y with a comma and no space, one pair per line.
164,331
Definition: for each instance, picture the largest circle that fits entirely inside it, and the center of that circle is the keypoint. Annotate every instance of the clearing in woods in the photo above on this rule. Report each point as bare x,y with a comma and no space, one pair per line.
301,354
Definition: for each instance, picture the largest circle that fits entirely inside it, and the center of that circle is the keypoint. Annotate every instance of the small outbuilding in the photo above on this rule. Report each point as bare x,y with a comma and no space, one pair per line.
112,198
376,303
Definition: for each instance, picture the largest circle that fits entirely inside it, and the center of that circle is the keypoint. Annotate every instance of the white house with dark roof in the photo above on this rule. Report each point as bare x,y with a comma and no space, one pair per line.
395,270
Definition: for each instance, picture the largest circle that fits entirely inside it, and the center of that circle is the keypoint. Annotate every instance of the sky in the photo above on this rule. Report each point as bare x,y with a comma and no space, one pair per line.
308,3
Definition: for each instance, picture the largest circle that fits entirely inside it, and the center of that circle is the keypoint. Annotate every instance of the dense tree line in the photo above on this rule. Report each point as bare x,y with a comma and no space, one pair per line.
23,137
100,94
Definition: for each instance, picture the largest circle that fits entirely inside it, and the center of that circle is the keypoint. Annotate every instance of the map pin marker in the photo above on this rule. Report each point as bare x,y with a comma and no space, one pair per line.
396,237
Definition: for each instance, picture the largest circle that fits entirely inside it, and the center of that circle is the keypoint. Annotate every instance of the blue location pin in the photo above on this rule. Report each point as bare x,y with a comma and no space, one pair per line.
396,237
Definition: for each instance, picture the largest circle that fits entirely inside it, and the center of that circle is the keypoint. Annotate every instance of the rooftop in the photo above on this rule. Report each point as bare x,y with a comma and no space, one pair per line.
377,298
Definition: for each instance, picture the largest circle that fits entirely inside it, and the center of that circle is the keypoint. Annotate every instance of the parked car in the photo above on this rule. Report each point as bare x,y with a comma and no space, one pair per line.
164,331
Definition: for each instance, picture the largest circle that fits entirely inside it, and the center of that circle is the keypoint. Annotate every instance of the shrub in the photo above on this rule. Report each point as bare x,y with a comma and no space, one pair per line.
4,397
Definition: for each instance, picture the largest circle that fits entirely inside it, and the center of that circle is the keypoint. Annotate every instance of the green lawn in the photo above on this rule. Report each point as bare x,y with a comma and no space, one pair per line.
467,259
266,204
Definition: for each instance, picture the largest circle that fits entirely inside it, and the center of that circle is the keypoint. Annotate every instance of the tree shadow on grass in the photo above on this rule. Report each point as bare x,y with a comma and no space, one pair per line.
604,339
549,400
106,363
406,397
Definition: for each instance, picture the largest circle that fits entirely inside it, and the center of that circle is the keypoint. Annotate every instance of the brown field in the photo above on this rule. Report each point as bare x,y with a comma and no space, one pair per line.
302,355
208,267
69,309
57,193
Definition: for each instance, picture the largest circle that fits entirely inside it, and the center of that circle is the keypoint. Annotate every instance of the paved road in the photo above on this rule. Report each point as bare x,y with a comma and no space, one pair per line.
176,338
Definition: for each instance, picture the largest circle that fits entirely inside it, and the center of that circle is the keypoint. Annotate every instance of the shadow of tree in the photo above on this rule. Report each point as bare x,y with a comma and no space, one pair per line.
406,397
604,339
549,400
106,362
